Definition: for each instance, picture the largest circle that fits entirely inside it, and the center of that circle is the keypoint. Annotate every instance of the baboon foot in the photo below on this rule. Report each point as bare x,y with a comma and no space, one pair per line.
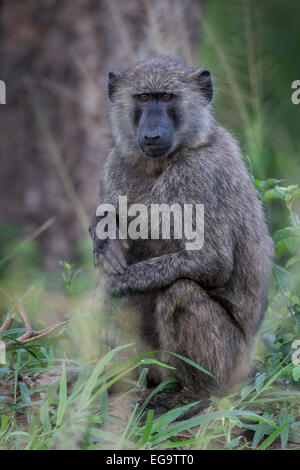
163,402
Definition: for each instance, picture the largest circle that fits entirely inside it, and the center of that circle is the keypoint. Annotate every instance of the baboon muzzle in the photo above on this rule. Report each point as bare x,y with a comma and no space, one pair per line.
155,132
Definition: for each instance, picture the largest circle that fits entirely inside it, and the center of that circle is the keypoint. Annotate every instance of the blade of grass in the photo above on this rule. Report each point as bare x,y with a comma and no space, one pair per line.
147,429
196,421
92,381
189,361
63,400
273,436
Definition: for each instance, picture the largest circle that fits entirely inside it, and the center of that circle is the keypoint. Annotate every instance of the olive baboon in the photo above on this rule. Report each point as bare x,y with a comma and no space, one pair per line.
204,304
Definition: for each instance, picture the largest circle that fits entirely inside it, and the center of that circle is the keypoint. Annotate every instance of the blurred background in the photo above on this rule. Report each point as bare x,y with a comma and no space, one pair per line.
55,131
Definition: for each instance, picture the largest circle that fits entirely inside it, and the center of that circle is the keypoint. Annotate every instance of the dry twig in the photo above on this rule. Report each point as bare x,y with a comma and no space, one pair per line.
30,335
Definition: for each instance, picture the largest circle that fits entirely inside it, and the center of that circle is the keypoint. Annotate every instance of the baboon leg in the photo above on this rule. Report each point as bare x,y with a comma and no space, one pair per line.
193,325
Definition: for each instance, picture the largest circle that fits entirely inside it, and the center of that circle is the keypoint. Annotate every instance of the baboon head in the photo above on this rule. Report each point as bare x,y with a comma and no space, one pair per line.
160,106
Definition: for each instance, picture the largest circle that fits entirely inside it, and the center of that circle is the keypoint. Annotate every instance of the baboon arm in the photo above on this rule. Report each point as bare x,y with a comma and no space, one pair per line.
210,270
162,271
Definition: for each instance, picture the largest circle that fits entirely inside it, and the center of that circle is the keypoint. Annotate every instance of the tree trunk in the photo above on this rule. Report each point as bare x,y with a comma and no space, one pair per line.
54,129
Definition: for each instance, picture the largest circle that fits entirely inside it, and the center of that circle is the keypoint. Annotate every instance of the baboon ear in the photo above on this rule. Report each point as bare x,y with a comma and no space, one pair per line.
113,78
204,81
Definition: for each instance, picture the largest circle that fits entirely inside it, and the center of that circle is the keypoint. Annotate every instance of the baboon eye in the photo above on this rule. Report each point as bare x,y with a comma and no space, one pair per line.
143,97
166,96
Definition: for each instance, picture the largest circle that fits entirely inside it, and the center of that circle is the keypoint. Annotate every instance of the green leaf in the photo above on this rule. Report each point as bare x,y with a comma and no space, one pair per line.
284,435
171,416
167,383
276,193
292,243
261,430
280,248
147,428
292,193
197,420
259,183
85,396
66,266
44,417
25,392
283,276
62,404
104,409
286,232
189,361
259,381
273,436
265,184
271,181
246,390
232,444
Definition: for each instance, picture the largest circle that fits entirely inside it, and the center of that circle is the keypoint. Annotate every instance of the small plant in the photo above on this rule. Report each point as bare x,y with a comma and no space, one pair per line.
284,308
69,276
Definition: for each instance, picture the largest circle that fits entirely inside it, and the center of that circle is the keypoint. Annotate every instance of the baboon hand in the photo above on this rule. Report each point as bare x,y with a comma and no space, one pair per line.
109,255
118,285
143,276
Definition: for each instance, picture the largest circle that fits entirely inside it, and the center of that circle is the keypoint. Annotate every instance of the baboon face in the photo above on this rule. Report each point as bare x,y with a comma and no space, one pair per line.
155,117
159,106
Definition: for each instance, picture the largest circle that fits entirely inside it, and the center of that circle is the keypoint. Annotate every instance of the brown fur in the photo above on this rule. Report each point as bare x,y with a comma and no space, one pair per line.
208,304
